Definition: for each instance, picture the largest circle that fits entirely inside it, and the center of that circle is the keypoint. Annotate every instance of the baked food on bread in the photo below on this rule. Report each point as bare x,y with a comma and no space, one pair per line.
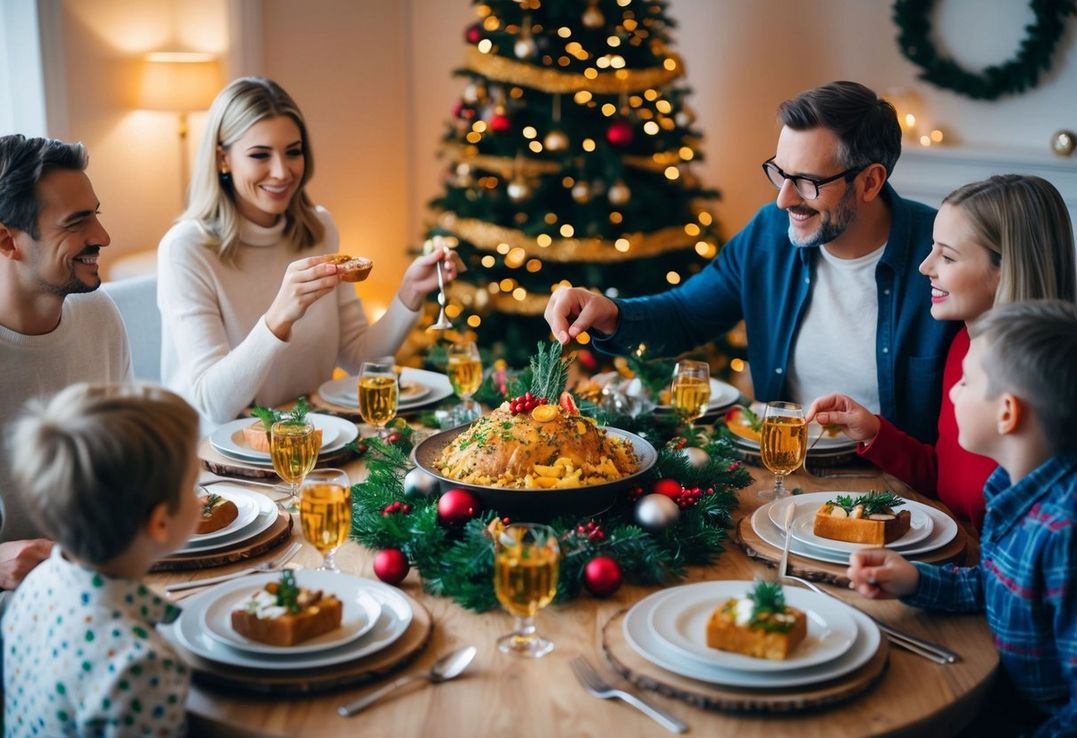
759,625
741,421
868,519
352,268
284,614
217,512
256,436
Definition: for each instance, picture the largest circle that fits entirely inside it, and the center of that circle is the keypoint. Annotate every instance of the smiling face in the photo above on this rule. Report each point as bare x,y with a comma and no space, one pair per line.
814,153
266,165
63,259
976,413
963,276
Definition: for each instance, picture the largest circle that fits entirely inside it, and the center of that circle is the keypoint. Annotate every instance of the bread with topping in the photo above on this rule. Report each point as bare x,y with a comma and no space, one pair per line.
759,625
868,519
283,614
217,512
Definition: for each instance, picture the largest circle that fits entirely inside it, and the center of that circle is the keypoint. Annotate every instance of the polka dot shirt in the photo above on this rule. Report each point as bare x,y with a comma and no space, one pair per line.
82,657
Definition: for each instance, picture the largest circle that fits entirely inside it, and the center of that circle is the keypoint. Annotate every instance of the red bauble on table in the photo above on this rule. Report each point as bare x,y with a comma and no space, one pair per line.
667,487
391,565
602,576
457,506
620,133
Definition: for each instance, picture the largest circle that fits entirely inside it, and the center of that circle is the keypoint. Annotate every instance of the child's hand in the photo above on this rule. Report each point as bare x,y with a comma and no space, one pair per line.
879,573
855,420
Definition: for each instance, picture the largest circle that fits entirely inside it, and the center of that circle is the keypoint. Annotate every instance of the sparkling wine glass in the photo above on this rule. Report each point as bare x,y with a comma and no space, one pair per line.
294,449
783,444
325,512
465,375
690,392
526,564
379,391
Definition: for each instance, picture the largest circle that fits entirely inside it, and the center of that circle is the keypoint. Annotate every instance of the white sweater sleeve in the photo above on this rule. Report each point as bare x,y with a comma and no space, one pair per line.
219,382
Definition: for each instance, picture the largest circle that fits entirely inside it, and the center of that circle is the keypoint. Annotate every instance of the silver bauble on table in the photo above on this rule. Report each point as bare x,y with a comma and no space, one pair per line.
418,483
697,457
655,512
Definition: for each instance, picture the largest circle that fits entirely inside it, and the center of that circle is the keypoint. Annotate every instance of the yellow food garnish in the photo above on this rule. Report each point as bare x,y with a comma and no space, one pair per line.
545,413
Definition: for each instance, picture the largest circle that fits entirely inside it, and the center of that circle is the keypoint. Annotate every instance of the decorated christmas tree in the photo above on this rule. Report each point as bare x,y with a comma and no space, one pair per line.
570,163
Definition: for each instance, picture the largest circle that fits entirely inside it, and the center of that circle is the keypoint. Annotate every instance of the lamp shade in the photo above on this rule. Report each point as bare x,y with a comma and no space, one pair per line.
179,81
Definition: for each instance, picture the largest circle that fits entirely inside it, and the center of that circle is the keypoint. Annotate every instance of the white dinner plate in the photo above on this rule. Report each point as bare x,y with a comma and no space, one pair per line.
681,623
395,618
644,641
722,395
827,445
359,612
246,513
228,438
429,387
920,525
267,515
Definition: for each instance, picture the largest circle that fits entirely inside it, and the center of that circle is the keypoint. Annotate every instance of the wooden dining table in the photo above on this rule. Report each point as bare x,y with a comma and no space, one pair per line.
502,695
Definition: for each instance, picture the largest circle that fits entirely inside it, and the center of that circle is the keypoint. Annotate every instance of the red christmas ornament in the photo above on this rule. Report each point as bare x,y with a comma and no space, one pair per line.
391,565
473,34
587,360
620,133
668,487
457,506
500,123
602,576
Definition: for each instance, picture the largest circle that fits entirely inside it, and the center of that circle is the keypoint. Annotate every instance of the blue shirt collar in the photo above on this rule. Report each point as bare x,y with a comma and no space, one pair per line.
1008,503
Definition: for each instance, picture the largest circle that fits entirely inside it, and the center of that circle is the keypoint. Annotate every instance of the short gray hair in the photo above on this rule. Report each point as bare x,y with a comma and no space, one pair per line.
95,460
1033,354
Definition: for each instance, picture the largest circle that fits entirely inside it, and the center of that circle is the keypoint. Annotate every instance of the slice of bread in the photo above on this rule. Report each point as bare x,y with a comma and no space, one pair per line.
318,614
217,512
875,530
256,437
726,634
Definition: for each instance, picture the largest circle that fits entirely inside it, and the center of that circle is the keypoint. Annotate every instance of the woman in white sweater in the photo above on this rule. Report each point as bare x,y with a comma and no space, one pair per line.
251,309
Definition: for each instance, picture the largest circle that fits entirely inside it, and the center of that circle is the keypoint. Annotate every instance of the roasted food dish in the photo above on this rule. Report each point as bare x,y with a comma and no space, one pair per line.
284,614
528,443
759,625
256,436
352,268
868,519
217,512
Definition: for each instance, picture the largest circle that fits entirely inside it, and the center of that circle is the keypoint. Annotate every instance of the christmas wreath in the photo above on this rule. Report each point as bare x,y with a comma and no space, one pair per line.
1018,74
675,517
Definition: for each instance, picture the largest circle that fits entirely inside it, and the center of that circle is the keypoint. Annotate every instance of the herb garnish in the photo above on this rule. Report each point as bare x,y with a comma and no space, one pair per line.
549,371
296,416
288,591
207,507
768,600
875,501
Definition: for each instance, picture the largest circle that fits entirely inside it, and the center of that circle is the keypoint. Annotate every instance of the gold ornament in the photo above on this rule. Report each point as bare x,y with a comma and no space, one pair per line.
555,141
581,192
619,193
502,69
519,190
592,17
1064,143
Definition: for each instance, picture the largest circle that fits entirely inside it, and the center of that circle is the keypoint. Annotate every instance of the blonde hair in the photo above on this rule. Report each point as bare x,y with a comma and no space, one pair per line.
95,460
1023,221
212,205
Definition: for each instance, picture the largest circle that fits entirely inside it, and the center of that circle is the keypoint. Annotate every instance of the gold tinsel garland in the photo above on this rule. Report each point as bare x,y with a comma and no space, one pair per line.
502,69
508,167
467,295
486,237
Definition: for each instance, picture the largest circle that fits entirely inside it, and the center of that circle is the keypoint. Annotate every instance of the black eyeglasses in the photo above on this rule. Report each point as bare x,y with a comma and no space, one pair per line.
806,187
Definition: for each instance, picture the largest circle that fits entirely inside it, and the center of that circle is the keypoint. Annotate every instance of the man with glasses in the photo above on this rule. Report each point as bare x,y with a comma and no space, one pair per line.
825,278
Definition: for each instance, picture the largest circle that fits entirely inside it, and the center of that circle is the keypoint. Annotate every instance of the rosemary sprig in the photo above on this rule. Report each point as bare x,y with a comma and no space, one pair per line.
297,415
549,371
874,501
288,591
211,501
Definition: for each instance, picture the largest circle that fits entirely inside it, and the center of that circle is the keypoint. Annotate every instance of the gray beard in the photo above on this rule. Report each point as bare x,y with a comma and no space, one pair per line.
844,216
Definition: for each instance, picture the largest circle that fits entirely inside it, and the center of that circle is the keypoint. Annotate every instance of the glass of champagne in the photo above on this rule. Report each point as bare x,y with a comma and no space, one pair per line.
526,564
783,444
294,449
325,512
690,392
465,375
378,393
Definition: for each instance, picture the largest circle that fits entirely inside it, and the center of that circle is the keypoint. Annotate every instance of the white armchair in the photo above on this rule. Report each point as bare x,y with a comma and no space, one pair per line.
136,298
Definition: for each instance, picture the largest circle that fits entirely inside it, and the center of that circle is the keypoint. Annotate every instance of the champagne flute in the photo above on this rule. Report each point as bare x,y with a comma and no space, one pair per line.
325,512
690,392
378,393
526,564
294,449
783,444
465,375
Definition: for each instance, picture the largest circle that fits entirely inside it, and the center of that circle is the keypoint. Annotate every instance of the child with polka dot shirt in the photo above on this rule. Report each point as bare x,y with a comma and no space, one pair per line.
108,472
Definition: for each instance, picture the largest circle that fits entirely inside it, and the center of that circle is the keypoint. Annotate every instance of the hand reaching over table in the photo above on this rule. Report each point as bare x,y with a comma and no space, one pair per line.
848,415
573,310
879,573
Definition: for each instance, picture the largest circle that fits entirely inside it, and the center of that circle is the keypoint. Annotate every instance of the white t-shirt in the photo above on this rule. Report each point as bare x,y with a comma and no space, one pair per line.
835,347
89,345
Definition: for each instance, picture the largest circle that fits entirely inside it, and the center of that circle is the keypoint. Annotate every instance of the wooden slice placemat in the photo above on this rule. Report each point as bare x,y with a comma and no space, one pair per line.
267,540
226,466
645,675
822,571
294,682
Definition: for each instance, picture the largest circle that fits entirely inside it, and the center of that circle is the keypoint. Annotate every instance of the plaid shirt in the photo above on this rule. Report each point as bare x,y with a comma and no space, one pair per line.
1026,581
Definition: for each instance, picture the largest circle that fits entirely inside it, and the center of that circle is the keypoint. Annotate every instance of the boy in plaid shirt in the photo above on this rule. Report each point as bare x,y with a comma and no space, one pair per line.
1016,403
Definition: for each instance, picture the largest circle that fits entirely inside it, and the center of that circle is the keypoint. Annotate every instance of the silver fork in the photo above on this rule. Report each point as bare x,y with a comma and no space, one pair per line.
267,566
921,647
593,682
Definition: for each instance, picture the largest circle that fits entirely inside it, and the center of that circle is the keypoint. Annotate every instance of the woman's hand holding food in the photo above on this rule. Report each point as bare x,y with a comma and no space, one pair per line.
879,573
855,420
421,278
305,282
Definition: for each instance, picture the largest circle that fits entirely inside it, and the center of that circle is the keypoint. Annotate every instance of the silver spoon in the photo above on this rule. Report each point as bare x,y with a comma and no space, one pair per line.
449,666
442,323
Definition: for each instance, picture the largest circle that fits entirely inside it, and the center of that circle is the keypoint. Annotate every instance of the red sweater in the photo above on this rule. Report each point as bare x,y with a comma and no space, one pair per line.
945,470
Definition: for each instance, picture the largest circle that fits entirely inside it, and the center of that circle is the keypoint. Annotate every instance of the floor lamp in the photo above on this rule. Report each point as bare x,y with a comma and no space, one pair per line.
180,82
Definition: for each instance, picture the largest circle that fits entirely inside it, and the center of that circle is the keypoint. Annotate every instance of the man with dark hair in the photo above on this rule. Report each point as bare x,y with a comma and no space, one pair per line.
50,238
826,278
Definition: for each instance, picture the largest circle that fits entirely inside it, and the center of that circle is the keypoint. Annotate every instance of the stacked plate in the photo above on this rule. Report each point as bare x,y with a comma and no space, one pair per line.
668,628
375,616
257,513
418,387
228,438
930,529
